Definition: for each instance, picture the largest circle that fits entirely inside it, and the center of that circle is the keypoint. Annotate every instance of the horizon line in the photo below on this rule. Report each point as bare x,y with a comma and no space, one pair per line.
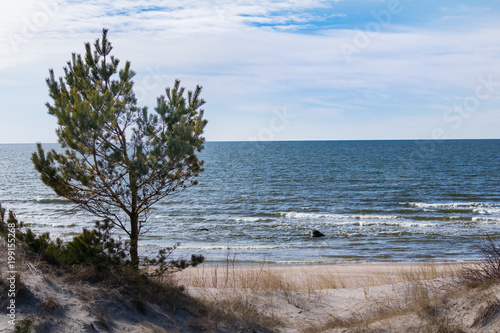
298,140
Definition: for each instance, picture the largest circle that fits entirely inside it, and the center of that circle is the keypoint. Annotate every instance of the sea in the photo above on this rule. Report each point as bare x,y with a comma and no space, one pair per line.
375,201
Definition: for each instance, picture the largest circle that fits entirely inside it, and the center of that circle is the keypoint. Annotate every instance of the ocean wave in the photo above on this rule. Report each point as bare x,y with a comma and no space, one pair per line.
60,225
401,224
231,248
51,200
320,261
449,205
487,210
441,218
295,215
314,216
458,207
246,219
486,220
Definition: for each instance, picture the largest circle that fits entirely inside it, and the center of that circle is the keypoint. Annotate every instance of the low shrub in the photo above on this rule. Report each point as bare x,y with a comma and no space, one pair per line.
92,248
163,264
486,270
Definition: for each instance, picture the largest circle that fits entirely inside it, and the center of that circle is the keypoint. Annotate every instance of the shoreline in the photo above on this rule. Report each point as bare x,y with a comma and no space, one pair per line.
340,263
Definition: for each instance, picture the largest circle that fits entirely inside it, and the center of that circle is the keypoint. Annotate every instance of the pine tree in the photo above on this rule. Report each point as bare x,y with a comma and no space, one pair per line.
119,159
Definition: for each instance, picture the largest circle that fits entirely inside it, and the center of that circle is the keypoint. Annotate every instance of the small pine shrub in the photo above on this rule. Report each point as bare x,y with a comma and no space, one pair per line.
92,247
3,225
42,245
24,326
95,248
6,224
163,264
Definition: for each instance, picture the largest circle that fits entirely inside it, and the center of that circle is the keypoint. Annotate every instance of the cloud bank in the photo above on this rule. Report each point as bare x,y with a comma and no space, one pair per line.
341,69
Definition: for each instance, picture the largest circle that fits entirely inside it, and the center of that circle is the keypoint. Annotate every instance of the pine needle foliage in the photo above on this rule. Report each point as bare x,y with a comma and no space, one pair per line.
119,159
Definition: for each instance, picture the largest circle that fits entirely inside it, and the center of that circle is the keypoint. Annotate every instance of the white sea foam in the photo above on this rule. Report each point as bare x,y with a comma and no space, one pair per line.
486,220
402,224
246,219
52,200
231,248
476,207
487,210
374,217
313,216
450,205
295,215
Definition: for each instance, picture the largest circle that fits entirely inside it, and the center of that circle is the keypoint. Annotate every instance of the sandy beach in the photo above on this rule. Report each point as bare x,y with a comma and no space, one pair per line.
318,298
350,275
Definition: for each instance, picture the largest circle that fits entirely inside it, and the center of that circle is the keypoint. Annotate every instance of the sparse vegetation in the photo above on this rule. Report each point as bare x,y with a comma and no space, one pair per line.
103,318
24,326
490,309
50,305
263,291
486,271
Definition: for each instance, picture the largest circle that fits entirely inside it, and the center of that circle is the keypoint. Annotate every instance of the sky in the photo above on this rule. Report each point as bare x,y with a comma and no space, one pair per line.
271,69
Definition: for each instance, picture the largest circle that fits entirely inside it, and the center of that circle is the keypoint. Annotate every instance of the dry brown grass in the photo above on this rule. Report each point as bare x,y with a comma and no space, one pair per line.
50,306
429,301
256,292
489,310
486,271
276,278
417,301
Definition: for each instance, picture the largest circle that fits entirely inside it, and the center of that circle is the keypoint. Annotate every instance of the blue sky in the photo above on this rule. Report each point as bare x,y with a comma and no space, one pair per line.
273,70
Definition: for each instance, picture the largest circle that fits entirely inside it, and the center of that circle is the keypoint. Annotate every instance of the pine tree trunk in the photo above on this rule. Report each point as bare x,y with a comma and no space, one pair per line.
134,223
134,236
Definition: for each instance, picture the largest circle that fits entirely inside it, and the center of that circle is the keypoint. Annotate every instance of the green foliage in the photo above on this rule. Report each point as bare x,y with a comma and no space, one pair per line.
91,247
24,326
50,251
3,225
163,264
119,159
94,248
10,221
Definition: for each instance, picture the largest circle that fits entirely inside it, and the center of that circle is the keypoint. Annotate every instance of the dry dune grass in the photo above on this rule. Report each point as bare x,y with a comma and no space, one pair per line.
314,277
321,298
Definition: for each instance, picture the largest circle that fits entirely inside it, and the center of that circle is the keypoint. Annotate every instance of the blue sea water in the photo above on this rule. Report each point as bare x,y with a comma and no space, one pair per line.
374,201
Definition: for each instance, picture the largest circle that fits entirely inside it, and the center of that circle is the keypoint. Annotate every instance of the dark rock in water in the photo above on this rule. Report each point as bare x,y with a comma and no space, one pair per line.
316,233
203,229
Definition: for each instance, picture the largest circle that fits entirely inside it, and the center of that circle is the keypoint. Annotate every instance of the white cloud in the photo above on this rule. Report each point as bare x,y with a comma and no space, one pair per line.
246,70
